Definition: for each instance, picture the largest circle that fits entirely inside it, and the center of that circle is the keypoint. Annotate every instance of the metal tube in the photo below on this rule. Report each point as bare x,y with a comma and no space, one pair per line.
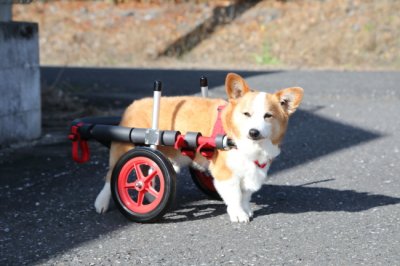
204,86
156,106
111,133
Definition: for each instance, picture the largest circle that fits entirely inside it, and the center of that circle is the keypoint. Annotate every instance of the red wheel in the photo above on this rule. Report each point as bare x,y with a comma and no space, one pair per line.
143,184
204,181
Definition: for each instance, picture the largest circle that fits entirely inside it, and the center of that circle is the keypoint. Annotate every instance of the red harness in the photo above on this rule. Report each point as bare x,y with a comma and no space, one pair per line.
219,130
218,127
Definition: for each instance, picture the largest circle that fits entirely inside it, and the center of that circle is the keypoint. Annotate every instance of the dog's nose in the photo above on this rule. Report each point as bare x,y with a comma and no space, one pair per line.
254,133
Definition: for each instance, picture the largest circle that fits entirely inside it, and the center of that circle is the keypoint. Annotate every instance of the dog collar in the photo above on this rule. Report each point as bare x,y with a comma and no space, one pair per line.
262,166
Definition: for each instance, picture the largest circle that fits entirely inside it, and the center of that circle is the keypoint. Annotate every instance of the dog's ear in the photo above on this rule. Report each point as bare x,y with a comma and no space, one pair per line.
235,86
290,98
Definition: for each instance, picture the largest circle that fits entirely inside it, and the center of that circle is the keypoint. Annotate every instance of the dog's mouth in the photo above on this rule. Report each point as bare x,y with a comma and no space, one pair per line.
260,138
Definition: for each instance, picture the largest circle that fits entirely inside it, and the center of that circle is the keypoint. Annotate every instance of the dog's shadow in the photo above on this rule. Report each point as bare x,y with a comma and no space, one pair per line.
301,199
274,199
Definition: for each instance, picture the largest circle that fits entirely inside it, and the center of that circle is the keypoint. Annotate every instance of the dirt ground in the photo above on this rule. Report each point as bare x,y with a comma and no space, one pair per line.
336,34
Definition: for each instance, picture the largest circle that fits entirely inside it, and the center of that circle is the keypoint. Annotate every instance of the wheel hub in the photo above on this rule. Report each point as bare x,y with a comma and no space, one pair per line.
139,185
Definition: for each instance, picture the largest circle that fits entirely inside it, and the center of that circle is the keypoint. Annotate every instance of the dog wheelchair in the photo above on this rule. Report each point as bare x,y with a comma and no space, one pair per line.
143,182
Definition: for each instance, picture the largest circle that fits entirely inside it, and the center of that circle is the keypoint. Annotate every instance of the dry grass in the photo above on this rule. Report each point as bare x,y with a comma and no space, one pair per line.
346,34
340,33
104,34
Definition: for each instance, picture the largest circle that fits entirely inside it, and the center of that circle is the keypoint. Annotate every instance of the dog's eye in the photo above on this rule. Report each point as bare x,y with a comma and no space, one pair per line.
247,114
267,115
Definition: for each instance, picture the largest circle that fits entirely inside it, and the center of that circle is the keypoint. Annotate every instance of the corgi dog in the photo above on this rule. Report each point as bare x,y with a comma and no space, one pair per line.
256,122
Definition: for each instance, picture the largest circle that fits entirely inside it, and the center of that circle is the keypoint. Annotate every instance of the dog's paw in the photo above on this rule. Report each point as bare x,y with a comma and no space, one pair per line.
238,216
101,204
103,200
247,209
250,213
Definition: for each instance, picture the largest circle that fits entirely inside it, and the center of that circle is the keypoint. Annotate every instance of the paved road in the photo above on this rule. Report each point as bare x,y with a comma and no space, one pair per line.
333,196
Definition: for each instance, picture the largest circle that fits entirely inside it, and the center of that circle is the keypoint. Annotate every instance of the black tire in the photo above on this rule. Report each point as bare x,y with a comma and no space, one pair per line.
203,181
124,197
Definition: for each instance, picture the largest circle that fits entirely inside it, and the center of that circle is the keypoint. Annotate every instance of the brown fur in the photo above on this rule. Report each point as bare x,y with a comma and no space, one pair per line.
177,113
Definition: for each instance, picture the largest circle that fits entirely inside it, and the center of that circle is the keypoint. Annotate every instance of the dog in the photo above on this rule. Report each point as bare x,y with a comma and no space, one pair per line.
255,121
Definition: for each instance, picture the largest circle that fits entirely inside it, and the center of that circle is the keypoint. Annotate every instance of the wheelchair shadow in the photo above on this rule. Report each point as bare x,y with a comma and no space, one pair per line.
199,211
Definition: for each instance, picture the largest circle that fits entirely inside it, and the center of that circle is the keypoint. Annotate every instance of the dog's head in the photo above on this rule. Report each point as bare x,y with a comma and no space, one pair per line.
256,115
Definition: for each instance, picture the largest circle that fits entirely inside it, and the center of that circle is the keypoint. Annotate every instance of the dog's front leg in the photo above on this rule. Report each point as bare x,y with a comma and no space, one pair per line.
246,197
230,192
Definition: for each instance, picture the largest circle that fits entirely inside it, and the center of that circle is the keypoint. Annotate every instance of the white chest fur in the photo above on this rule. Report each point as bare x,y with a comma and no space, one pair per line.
242,162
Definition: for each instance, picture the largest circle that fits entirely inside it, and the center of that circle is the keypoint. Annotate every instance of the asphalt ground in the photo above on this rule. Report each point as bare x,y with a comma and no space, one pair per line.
333,196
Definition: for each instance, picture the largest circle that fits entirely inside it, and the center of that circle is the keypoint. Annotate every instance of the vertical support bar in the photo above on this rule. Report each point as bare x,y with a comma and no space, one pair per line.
156,106
204,86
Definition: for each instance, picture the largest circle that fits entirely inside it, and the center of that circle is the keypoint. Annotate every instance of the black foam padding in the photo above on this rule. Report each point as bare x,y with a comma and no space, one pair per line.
231,143
85,131
111,133
157,85
203,82
138,135
191,139
169,137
